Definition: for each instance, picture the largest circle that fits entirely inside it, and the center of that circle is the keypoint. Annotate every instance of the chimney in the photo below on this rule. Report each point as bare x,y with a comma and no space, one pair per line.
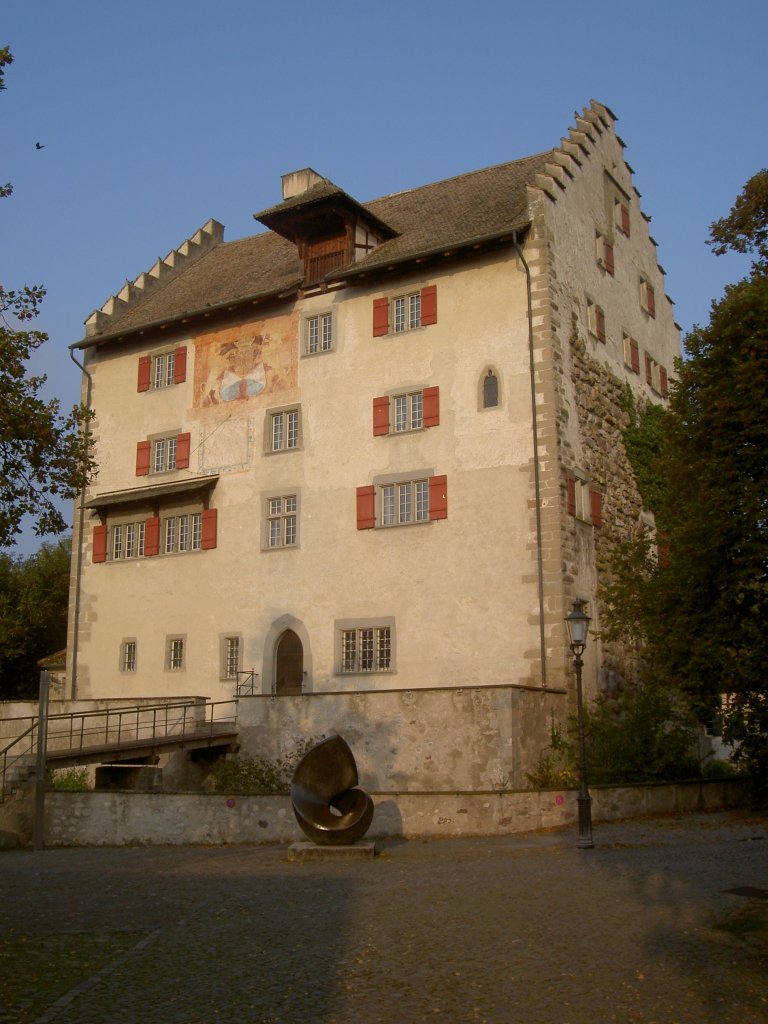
297,182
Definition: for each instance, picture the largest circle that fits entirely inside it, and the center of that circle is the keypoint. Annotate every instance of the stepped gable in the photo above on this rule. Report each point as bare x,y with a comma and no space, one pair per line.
204,274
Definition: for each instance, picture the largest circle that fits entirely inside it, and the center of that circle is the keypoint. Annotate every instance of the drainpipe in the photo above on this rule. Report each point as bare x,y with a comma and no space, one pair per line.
80,529
536,478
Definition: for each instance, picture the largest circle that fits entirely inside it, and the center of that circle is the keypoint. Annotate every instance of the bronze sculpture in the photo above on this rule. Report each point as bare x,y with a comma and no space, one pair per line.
330,809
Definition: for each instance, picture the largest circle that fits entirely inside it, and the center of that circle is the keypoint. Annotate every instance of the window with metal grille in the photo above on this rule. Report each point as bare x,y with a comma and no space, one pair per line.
128,656
175,649
231,655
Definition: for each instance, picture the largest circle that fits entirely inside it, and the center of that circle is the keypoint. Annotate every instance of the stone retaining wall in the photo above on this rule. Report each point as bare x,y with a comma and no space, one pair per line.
120,819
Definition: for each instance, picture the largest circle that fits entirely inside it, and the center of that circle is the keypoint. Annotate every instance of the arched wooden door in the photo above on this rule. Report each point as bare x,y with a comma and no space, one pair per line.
289,664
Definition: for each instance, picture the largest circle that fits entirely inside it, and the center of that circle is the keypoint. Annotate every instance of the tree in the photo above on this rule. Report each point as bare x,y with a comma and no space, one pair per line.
34,594
44,456
701,613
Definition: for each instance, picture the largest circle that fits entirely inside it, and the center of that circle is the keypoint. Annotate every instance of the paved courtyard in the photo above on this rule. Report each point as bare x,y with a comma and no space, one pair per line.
513,930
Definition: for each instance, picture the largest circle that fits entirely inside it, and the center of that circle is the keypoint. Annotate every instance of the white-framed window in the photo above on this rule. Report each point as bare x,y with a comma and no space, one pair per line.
405,502
230,657
282,524
596,320
181,533
162,373
365,649
406,312
407,412
175,653
126,540
318,333
163,454
284,430
128,660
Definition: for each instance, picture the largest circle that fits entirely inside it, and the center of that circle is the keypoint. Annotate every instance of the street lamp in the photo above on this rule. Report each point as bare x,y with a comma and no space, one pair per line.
577,622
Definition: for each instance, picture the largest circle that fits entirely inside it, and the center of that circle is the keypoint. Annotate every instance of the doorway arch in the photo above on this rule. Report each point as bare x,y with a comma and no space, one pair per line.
289,664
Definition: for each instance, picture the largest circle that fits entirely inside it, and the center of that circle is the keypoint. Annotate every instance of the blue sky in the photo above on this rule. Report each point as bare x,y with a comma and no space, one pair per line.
156,116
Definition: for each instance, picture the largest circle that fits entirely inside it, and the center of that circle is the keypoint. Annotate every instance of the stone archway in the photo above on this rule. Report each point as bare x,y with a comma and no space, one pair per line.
289,664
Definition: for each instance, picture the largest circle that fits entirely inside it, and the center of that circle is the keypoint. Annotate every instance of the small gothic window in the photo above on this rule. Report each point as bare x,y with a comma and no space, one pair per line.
490,390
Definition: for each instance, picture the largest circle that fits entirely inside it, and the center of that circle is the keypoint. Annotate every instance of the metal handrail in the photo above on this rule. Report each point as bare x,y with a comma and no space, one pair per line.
205,715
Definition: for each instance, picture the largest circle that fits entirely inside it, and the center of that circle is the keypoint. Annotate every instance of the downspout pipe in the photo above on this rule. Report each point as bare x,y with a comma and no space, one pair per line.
80,530
536,472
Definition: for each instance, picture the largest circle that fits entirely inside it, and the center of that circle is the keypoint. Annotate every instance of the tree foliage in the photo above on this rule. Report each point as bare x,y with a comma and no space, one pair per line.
34,594
44,455
701,615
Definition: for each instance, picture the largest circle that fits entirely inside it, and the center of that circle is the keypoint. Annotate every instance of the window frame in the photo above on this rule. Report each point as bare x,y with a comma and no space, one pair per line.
225,660
281,414
382,635
118,534
325,319
399,499
284,517
129,658
175,657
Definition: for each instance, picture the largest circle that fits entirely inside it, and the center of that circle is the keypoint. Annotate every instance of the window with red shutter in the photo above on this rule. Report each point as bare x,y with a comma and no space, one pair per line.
99,544
608,257
624,218
634,354
380,416
600,324
182,451
380,317
145,370
431,406
596,507
366,507
429,305
143,452
405,312
152,536
648,369
180,365
438,497
209,529
663,382
651,300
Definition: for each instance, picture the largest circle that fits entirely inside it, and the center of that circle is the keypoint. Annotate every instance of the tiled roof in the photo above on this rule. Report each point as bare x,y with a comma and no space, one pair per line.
433,218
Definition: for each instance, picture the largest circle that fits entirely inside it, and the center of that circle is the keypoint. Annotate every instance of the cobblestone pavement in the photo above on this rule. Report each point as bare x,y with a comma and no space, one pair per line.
511,930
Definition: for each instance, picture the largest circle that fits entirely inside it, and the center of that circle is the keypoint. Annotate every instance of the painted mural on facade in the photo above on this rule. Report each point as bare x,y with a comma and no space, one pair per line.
243,363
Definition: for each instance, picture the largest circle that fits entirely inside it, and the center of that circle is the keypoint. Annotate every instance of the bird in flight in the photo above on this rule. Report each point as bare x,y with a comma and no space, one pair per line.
39,145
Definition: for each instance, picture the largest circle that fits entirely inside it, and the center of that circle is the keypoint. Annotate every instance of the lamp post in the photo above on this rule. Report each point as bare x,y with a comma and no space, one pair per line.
577,622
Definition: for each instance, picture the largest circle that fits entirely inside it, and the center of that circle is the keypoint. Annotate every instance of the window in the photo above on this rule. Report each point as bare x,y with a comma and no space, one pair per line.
126,540
490,390
367,649
584,501
128,656
402,502
282,521
596,320
163,454
647,297
405,312
604,253
283,430
162,369
174,658
182,533
413,410
318,333
632,354
230,657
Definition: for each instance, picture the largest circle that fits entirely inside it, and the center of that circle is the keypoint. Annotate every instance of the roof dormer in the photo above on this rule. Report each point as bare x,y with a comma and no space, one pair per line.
330,229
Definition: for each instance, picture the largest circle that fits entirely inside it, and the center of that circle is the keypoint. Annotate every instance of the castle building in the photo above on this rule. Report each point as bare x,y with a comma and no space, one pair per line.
366,459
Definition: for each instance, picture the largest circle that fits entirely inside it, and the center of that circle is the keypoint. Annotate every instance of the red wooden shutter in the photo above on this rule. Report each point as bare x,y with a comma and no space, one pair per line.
650,299
634,355
429,305
596,507
143,452
430,398
380,416
438,497
380,317
180,365
152,536
663,382
182,451
648,369
571,496
608,256
99,544
600,324
366,507
208,538
145,373
625,219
